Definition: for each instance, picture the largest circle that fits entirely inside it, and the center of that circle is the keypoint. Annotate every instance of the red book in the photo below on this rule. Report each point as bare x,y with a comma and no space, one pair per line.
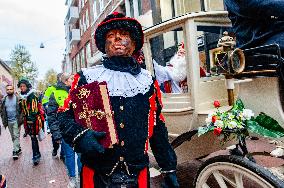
92,109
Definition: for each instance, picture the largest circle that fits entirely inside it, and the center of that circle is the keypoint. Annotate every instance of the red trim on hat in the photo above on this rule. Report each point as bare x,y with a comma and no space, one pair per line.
123,19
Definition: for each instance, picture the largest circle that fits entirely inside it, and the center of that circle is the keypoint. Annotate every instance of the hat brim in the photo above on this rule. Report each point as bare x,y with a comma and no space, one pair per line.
128,24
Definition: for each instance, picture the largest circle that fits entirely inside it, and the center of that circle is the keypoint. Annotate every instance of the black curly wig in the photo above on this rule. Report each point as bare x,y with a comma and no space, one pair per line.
26,82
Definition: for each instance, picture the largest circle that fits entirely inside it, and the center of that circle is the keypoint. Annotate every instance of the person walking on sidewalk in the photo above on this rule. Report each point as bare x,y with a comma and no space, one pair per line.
12,118
56,100
45,101
32,118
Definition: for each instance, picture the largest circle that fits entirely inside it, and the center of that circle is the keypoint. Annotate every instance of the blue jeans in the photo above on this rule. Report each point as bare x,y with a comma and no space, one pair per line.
70,159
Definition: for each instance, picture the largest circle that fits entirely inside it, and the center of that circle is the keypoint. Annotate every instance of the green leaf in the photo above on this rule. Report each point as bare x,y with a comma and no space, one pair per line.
202,130
268,122
238,105
254,127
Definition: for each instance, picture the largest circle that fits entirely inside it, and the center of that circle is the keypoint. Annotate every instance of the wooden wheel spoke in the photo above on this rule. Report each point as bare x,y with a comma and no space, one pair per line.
205,185
219,178
239,180
229,180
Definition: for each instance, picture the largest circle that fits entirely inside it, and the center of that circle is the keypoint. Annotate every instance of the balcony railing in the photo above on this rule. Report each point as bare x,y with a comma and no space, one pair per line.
74,36
72,15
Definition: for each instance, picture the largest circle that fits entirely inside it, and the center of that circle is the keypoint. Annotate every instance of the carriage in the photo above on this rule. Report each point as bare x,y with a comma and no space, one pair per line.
186,107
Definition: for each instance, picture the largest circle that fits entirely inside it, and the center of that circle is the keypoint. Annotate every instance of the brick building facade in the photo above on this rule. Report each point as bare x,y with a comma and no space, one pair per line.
82,52
5,77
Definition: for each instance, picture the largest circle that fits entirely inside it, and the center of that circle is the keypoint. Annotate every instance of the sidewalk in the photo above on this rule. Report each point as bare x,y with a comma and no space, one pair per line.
21,173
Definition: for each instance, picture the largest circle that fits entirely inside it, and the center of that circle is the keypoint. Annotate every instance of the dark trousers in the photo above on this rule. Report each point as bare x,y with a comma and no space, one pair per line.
35,146
56,147
54,144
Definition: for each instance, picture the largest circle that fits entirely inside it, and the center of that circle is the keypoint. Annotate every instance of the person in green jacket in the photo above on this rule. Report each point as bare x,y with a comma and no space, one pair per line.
56,101
48,92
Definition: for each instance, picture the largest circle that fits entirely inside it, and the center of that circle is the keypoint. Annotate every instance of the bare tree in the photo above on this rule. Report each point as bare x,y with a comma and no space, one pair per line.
22,65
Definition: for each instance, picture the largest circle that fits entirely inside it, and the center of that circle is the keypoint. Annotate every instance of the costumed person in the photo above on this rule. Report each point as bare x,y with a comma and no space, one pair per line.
12,118
256,23
173,76
56,100
33,121
45,101
135,102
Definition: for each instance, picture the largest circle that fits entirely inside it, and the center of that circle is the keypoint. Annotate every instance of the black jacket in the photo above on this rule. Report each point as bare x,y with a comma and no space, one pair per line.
3,112
257,22
134,134
52,113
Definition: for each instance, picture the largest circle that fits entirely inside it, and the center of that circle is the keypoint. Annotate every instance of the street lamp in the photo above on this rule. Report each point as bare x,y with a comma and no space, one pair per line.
41,45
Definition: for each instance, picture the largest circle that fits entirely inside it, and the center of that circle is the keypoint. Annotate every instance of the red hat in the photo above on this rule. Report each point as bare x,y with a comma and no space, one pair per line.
119,21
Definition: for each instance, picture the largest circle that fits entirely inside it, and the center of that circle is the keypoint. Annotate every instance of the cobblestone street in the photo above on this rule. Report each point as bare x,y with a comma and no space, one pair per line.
21,173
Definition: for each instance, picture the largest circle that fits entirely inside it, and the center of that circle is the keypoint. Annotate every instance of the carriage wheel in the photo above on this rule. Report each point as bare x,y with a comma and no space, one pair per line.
236,172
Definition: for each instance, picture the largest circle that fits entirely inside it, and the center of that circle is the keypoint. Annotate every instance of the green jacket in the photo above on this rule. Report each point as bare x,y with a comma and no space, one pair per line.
56,100
47,94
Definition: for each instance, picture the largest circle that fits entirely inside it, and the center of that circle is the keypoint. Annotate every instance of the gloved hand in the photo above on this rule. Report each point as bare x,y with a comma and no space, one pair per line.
170,180
88,143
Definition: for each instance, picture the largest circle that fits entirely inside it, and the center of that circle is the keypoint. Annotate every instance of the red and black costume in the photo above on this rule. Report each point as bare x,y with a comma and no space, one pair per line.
135,99
33,119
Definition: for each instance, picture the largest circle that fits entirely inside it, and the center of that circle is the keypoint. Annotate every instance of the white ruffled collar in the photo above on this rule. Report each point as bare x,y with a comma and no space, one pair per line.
25,96
120,83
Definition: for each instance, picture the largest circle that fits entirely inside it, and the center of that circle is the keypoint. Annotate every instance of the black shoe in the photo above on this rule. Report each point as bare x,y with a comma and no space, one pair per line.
54,153
15,155
19,151
36,159
25,135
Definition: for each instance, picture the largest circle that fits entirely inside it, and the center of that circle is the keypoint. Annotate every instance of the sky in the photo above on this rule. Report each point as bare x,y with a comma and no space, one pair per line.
30,22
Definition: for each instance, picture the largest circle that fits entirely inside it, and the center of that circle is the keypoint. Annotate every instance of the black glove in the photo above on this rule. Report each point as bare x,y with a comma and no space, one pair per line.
171,180
88,143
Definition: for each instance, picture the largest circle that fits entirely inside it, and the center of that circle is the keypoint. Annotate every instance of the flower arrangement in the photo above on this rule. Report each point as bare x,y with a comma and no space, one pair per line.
239,121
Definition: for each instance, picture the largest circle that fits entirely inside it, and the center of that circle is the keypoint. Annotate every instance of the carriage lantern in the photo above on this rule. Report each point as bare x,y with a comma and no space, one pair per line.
232,61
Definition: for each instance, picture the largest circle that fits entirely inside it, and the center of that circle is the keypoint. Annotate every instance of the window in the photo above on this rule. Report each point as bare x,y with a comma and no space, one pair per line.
133,8
88,53
213,5
175,8
82,55
209,53
81,27
78,62
87,19
95,12
169,61
102,6
74,69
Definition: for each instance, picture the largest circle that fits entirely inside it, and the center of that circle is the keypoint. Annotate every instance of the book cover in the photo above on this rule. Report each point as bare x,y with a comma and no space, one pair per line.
92,109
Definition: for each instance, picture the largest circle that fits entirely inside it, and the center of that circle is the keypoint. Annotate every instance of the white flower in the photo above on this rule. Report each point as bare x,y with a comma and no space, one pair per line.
232,124
230,116
208,120
219,123
247,113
